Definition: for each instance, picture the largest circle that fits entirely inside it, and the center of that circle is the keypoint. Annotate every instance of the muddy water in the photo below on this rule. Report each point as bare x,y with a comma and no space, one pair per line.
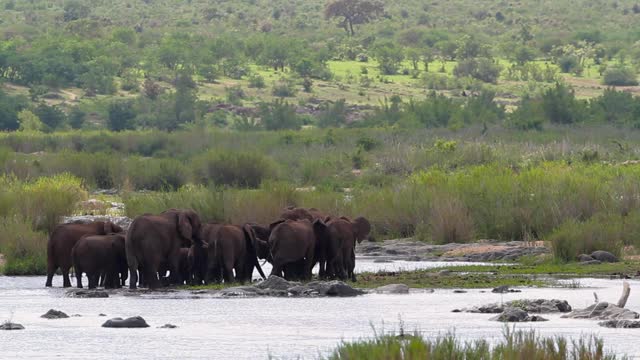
212,328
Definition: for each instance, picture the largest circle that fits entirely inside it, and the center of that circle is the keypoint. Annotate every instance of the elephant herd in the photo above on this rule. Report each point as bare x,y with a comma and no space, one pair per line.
195,253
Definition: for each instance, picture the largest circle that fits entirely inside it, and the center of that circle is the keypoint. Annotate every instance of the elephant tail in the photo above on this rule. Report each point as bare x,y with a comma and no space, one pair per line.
250,238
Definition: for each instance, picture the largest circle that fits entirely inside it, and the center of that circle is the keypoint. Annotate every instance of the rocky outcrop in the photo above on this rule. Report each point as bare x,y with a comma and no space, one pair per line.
620,324
484,250
132,322
538,306
516,315
54,314
168,326
275,286
11,326
392,289
603,311
122,221
504,289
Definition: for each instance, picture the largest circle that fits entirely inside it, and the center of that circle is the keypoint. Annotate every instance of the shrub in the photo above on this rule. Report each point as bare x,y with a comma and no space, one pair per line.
25,249
241,169
284,88
620,76
450,221
256,81
483,69
279,115
155,174
207,202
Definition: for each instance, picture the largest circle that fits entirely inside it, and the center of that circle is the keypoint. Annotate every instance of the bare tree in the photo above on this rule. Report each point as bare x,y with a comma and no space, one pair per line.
353,12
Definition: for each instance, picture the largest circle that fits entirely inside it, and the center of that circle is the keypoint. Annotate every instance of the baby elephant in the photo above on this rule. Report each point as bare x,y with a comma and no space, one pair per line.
100,254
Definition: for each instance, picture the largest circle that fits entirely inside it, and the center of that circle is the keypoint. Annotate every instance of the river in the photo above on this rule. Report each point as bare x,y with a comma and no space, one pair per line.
277,328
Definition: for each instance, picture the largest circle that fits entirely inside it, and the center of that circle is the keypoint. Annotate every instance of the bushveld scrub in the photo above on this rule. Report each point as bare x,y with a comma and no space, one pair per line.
28,211
515,345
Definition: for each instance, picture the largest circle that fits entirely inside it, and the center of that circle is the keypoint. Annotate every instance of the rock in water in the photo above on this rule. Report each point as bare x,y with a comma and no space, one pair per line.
516,315
132,322
167,326
54,314
87,294
604,256
392,289
603,311
620,324
504,289
11,326
541,305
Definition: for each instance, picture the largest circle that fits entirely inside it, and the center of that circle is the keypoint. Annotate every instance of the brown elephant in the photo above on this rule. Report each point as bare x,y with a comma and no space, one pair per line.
100,254
154,239
293,246
231,253
341,243
183,268
63,238
299,213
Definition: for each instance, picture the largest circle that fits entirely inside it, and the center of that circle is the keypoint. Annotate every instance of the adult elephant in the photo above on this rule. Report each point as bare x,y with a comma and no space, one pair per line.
100,254
231,253
293,245
154,239
343,233
63,238
299,213
183,268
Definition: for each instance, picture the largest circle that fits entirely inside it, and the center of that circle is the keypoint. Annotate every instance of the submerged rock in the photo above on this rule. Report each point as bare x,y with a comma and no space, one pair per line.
54,314
168,326
11,326
516,315
87,294
340,289
132,322
276,283
540,306
392,289
604,256
603,311
620,324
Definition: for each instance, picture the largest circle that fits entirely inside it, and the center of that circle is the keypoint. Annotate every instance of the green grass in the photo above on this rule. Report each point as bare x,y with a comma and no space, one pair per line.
551,268
515,345
430,279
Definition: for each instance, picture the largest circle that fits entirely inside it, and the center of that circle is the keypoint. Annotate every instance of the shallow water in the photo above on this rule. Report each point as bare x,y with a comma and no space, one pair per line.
278,327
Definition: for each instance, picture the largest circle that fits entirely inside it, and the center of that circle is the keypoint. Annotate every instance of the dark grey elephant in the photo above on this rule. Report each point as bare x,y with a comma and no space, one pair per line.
96,255
343,235
155,239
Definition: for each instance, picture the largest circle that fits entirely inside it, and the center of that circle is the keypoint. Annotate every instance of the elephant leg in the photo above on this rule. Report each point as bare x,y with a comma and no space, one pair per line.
65,276
51,270
150,273
93,280
133,281
276,269
79,278
352,266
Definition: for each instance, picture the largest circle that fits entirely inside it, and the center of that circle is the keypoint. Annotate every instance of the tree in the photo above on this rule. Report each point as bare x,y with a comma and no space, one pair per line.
121,115
279,115
29,121
51,116
353,12
389,57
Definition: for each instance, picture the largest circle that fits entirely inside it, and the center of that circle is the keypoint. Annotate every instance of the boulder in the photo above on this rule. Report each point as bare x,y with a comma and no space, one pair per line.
11,326
603,311
459,291
541,306
585,258
516,315
54,314
604,256
240,291
334,288
392,289
132,322
504,289
620,324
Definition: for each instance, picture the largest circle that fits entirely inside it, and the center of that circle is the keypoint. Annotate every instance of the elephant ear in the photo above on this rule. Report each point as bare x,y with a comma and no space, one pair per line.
184,225
361,228
275,223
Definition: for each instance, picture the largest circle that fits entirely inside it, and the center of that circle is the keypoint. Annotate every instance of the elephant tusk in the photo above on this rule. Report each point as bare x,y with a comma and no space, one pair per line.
264,262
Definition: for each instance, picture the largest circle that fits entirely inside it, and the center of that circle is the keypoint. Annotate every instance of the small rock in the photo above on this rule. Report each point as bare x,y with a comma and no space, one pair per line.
392,289
585,258
167,326
604,256
459,291
382,261
102,314
504,289
132,322
620,324
456,310
603,311
340,289
54,314
11,326
275,283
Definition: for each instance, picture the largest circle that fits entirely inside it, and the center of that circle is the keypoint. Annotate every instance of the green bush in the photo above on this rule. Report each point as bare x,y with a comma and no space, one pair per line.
620,76
206,201
155,174
25,249
228,168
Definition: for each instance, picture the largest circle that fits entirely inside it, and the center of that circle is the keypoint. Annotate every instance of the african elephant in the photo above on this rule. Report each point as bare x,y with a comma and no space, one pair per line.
183,267
62,240
341,243
100,254
292,247
299,213
154,239
231,253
